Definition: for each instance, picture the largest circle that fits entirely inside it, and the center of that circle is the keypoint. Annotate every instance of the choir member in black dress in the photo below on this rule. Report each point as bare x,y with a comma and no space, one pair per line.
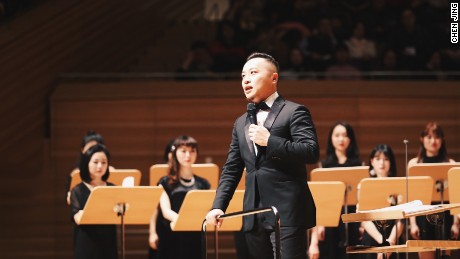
179,181
92,241
382,164
90,139
432,150
342,151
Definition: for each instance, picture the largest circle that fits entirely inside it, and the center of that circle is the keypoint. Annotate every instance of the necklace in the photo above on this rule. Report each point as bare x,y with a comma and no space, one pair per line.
186,182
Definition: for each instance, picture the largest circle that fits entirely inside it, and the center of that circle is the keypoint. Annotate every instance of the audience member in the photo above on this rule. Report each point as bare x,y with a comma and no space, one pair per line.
432,150
436,67
227,50
322,45
452,54
198,63
389,61
427,17
318,9
341,68
379,21
296,66
355,7
248,17
387,67
288,35
411,43
362,50
92,241
340,27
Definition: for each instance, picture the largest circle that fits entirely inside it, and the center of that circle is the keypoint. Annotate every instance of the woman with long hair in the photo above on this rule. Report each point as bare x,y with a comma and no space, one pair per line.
342,151
177,183
432,150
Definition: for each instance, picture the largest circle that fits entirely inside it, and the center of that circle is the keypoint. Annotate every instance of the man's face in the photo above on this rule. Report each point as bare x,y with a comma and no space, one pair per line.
258,79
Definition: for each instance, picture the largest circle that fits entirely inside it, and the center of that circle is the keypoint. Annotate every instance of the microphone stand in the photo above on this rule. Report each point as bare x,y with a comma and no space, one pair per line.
405,141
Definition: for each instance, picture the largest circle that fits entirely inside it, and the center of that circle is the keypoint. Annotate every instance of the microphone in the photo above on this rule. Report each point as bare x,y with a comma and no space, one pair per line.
252,113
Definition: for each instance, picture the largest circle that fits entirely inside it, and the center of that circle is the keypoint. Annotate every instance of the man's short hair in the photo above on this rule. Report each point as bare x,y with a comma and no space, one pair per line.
266,57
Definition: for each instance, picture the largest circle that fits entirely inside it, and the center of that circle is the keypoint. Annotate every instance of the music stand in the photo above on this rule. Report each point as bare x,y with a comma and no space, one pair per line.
198,203
208,171
121,205
116,176
350,176
454,193
328,207
438,171
411,245
391,213
376,193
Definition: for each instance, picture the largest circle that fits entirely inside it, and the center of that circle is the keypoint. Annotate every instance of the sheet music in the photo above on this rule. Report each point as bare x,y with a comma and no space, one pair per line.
409,207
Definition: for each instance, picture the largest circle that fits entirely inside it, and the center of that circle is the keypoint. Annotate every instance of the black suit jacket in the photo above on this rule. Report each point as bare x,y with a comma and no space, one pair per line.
279,170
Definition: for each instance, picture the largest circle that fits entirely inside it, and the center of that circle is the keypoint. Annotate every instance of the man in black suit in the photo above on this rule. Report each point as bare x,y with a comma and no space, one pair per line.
275,153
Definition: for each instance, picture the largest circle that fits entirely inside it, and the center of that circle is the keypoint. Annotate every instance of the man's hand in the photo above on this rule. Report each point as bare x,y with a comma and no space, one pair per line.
211,217
259,135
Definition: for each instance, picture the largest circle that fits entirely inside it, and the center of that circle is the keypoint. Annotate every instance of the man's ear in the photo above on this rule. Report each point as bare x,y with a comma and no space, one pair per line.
275,77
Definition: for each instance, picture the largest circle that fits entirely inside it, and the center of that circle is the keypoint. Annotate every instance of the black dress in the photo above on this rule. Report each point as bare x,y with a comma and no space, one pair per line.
429,231
91,241
369,241
334,245
178,245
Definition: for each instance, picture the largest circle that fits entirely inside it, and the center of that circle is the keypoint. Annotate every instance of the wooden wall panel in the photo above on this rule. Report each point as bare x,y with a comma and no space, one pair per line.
138,126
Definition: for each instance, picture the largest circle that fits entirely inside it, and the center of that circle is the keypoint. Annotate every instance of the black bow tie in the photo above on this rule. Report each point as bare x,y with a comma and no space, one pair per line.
262,106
